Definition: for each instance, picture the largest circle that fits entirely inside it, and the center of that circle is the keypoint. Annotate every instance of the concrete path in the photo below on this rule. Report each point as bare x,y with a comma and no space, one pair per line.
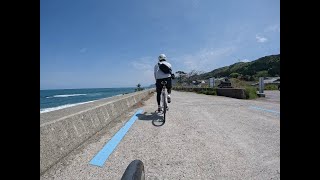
204,137
271,96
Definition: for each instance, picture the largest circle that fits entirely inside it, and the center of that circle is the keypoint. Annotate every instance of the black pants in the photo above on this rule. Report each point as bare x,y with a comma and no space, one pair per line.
159,87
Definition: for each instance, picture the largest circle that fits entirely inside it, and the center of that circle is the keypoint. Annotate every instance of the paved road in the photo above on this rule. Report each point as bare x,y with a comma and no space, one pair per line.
271,96
205,137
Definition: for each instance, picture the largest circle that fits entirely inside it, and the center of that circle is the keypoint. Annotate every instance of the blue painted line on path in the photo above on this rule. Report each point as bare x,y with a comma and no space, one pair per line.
105,152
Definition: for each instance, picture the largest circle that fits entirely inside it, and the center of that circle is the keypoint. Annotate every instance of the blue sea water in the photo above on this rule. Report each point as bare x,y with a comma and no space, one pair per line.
51,100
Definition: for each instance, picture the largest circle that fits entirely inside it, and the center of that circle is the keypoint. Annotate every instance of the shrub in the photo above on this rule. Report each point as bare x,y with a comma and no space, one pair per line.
250,92
209,91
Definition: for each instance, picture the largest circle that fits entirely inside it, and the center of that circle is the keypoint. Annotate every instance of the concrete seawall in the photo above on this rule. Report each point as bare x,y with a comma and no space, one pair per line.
238,93
62,131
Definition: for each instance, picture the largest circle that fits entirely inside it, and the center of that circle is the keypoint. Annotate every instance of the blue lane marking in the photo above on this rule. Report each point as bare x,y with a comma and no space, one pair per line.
254,107
105,152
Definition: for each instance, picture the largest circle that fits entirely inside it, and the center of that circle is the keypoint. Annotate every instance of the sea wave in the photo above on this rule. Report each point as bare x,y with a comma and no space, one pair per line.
61,107
68,95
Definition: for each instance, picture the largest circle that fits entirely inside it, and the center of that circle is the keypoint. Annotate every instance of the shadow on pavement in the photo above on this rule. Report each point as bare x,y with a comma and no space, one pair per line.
149,117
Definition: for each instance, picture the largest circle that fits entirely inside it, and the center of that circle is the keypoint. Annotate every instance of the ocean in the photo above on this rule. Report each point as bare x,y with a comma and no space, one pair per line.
51,100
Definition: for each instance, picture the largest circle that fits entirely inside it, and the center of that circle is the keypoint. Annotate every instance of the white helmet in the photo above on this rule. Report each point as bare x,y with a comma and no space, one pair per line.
162,57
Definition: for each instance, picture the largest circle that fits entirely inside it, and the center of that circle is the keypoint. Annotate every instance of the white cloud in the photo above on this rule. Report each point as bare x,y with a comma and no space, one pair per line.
203,60
261,39
144,63
245,60
272,28
143,70
195,3
83,50
141,66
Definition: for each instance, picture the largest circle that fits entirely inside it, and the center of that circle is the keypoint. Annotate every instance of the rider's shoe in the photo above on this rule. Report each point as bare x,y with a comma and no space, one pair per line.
169,98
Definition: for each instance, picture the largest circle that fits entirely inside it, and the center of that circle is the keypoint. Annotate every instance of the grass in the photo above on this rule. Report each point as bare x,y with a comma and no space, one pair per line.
237,83
271,87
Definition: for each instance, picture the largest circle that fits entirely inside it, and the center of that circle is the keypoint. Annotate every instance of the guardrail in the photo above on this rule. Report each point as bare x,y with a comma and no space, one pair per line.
238,93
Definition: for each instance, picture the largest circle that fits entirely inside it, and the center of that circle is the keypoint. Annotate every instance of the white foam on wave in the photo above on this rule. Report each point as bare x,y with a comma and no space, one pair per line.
94,94
61,107
69,95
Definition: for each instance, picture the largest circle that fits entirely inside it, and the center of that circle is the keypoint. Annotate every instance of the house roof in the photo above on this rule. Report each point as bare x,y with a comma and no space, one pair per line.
272,80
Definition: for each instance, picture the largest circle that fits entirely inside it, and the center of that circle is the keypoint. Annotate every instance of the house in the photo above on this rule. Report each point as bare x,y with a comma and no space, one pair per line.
270,80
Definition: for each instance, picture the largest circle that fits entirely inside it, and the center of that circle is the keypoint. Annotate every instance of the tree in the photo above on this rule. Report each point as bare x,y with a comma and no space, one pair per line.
139,88
246,77
234,75
262,74
194,75
191,76
181,75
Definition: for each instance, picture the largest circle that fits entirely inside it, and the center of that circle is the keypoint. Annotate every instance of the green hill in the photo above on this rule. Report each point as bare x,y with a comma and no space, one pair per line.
262,67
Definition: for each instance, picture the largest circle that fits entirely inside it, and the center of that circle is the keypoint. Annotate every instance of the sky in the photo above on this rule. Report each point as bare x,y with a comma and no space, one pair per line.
116,43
